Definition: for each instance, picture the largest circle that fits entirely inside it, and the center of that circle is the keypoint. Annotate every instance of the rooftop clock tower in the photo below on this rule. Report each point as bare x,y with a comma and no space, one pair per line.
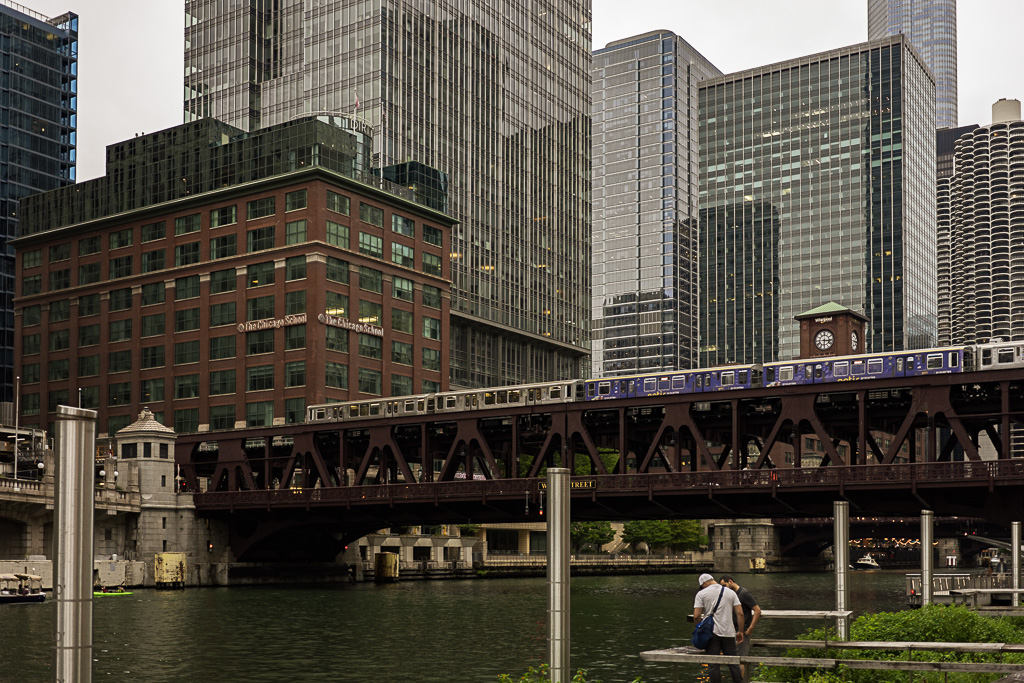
831,330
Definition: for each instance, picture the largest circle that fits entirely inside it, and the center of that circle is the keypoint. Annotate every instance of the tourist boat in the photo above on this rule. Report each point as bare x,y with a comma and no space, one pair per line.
867,562
105,592
21,588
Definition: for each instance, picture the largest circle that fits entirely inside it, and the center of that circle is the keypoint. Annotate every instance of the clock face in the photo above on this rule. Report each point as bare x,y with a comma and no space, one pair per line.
824,340
854,339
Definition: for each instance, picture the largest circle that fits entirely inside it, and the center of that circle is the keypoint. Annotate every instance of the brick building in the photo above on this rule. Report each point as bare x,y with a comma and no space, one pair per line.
227,279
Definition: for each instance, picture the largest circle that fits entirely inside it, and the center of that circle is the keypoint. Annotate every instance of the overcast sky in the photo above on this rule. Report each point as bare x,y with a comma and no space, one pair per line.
131,51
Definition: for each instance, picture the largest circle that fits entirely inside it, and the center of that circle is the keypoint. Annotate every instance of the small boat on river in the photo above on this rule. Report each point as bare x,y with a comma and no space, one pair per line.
16,588
867,562
110,592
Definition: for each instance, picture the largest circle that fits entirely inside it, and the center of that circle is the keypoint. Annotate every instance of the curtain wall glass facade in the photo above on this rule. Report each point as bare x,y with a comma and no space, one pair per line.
495,95
644,274
817,185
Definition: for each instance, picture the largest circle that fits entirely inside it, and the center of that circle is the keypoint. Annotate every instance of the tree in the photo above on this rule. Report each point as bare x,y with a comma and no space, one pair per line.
597,534
678,534
686,534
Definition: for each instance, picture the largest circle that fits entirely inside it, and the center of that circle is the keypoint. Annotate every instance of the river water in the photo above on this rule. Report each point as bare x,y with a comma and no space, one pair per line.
420,631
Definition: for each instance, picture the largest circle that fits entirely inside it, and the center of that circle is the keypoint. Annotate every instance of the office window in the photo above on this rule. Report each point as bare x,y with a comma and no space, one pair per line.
433,236
89,304
30,343
401,321
186,254
259,414
89,397
31,284
119,267
401,353
402,225
429,386
30,373
371,280
186,224
222,382
186,352
260,308
222,417
121,238
154,231
222,314
119,361
88,366
89,335
260,208
121,299
186,420
152,294
370,312
294,410
401,385
186,320
337,304
403,255
295,268
337,234
431,297
89,245
226,215
223,246
295,232
119,393
294,337
61,279
222,347
259,239
153,325
295,374
60,340
30,404
186,287
370,381
120,330
337,270
259,378
371,245
60,310
59,370
338,203
223,281
31,315
431,359
371,214
261,341
152,390
431,328
432,264
89,273
294,201
401,288
336,375
295,302
60,252
186,386
154,260
153,356
371,346
259,274
34,257
337,339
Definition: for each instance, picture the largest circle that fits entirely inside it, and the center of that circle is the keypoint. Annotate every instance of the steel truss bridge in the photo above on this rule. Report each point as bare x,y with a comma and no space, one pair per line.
693,455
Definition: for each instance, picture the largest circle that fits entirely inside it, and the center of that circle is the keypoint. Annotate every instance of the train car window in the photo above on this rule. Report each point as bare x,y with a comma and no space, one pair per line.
664,384
954,359
320,414
650,384
986,356
415,405
603,388
590,388
707,379
786,374
841,368
857,368
679,382
489,398
531,395
624,386
1004,356
910,363
818,372
933,361
430,405
808,371
728,378
875,366
374,409
353,410
387,408
741,376
899,365
700,381
516,396
450,401
364,410
755,378
503,396
555,392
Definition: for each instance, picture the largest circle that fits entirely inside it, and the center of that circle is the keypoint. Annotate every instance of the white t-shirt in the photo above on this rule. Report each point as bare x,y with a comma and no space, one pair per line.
706,599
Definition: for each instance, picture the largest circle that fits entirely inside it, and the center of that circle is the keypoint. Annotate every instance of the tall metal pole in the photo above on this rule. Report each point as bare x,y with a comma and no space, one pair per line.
1015,559
558,574
841,551
17,410
927,555
73,527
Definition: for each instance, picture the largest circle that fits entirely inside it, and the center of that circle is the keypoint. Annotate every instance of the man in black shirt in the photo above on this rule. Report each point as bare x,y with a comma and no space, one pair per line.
751,615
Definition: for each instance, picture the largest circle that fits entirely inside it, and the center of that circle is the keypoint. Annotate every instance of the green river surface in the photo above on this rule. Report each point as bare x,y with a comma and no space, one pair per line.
411,631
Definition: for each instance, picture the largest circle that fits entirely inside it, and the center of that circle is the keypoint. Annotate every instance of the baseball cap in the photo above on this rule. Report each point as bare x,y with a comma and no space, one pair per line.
704,578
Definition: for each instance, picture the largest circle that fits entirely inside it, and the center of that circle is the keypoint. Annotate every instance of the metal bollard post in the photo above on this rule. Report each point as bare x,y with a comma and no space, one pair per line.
73,503
841,551
927,555
1015,541
558,574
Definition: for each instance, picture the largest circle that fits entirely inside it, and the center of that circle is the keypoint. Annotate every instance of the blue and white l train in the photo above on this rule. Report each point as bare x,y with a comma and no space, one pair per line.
895,364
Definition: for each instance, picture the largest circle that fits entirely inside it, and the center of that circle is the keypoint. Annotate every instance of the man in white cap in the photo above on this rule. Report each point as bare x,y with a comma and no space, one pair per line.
725,635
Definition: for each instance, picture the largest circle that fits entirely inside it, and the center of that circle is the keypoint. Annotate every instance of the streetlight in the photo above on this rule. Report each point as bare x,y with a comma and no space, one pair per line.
42,466
17,411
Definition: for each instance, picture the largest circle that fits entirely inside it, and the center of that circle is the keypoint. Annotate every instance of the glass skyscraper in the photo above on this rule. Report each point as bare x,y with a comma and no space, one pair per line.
931,27
37,106
495,95
644,99
817,185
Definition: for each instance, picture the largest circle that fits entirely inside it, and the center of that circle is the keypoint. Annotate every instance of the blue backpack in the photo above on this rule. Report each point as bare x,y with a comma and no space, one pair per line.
703,631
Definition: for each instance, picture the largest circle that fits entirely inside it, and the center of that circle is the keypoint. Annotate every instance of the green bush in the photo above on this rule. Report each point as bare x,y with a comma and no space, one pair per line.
540,675
934,623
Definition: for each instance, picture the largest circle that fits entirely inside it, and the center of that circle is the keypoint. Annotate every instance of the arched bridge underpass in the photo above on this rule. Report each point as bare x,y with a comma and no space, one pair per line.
888,446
